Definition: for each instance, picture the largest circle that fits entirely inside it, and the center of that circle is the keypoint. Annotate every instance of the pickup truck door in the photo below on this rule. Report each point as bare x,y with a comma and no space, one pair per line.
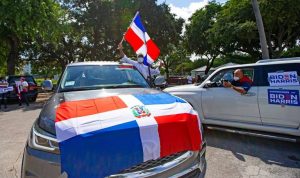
219,103
279,103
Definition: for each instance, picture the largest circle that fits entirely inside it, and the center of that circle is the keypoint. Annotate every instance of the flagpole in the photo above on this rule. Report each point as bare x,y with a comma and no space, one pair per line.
130,25
150,78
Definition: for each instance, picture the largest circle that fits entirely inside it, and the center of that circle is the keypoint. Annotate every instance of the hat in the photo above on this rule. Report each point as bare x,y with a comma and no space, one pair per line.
139,55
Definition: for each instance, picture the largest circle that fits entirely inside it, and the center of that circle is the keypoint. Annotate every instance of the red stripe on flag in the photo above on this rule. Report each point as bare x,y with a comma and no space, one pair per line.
152,50
72,109
178,133
133,39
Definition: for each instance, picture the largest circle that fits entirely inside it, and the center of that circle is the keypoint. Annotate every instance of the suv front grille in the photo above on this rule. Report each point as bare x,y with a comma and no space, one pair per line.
152,163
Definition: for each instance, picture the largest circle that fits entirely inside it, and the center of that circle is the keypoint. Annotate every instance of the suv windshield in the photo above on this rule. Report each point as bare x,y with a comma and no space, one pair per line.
91,77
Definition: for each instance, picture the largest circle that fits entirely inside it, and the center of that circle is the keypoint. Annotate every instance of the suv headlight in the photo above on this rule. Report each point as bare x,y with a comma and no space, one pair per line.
41,140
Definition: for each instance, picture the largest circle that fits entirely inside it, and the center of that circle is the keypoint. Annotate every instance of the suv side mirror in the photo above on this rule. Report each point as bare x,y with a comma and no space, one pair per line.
209,84
160,82
47,85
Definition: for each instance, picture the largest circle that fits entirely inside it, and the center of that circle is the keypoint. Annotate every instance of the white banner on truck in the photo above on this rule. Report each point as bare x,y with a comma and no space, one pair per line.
289,78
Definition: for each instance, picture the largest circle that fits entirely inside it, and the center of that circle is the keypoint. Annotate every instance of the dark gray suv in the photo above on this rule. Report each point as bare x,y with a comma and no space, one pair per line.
42,154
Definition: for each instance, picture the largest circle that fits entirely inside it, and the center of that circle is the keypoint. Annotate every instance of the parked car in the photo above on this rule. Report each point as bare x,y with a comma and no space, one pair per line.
32,87
91,80
271,105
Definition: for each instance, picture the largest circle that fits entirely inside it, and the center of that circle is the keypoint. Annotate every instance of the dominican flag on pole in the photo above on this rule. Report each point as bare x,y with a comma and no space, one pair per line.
140,41
103,136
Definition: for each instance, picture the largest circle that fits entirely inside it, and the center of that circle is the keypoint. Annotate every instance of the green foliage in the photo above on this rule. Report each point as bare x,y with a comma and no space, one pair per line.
292,52
236,26
229,32
25,21
175,58
53,33
199,36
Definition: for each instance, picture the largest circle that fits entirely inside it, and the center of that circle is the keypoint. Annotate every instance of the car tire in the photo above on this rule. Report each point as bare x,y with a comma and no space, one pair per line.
33,99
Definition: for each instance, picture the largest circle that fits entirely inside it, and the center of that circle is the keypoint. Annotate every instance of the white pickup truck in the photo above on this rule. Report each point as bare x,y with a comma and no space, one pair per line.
271,105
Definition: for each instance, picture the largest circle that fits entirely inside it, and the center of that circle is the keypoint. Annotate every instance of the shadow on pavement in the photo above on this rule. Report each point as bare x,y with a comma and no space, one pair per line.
281,153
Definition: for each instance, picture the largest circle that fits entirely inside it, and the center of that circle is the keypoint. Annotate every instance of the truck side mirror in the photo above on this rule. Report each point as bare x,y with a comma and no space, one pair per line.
209,84
160,82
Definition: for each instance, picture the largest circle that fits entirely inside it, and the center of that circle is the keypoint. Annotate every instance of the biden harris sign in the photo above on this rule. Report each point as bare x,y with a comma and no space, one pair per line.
289,78
283,97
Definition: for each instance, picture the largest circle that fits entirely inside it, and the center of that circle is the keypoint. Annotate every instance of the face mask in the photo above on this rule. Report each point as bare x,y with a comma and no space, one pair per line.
140,60
236,78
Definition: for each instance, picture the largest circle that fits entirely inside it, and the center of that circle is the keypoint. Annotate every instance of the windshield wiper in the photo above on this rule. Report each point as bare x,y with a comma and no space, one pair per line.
126,86
79,89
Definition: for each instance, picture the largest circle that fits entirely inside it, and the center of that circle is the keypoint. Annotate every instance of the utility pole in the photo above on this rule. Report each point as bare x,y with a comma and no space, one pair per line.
261,30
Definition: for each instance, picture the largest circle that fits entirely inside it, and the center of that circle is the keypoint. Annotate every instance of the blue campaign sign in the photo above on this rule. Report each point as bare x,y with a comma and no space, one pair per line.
283,97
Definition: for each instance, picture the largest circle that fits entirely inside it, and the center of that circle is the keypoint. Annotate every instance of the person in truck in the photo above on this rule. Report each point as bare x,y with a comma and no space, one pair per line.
241,83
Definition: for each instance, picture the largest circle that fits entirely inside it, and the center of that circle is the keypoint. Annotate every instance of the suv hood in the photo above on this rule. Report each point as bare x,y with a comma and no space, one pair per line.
47,116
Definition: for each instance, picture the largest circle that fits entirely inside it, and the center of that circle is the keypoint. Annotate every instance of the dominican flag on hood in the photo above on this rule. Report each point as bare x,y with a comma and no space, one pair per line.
103,136
140,41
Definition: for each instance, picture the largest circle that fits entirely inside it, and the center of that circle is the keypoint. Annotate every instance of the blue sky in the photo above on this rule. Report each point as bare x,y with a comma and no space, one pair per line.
185,8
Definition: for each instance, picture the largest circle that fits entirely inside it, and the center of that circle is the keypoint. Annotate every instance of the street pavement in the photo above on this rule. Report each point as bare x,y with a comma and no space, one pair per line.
228,155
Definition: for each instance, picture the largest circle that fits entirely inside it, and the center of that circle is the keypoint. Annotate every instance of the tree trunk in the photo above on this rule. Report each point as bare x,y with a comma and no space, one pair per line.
261,30
167,72
13,55
209,65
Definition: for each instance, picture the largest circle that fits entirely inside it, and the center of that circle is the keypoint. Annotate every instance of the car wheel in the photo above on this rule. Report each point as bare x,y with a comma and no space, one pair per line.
33,99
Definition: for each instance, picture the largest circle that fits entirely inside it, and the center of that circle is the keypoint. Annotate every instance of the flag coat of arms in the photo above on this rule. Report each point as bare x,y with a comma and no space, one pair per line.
103,136
140,41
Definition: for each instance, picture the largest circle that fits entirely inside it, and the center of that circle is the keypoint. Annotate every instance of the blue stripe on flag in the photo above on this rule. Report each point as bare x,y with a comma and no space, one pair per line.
160,98
102,153
138,22
145,61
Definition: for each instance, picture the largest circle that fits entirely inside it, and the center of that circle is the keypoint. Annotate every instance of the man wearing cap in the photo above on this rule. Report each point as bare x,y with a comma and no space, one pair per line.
143,69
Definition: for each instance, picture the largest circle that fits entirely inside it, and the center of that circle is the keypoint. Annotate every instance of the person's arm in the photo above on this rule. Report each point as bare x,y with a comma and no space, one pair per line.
120,48
241,90
128,60
154,71
124,57
238,89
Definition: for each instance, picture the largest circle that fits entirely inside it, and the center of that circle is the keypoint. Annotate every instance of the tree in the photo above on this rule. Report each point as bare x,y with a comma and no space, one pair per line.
105,22
199,37
176,57
24,21
282,24
236,30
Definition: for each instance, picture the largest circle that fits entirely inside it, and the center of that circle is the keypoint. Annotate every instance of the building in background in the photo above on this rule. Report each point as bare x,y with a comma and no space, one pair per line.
27,69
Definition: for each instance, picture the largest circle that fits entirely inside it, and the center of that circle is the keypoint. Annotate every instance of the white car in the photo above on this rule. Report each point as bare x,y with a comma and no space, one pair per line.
271,105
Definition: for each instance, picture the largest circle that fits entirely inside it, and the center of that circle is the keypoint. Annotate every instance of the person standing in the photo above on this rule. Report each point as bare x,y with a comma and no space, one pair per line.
198,79
23,89
143,69
3,92
189,79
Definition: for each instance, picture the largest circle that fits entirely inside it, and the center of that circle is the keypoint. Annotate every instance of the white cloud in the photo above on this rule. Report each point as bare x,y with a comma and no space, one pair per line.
186,12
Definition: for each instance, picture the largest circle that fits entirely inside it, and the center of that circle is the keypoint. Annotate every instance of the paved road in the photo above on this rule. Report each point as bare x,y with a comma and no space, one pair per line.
228,155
